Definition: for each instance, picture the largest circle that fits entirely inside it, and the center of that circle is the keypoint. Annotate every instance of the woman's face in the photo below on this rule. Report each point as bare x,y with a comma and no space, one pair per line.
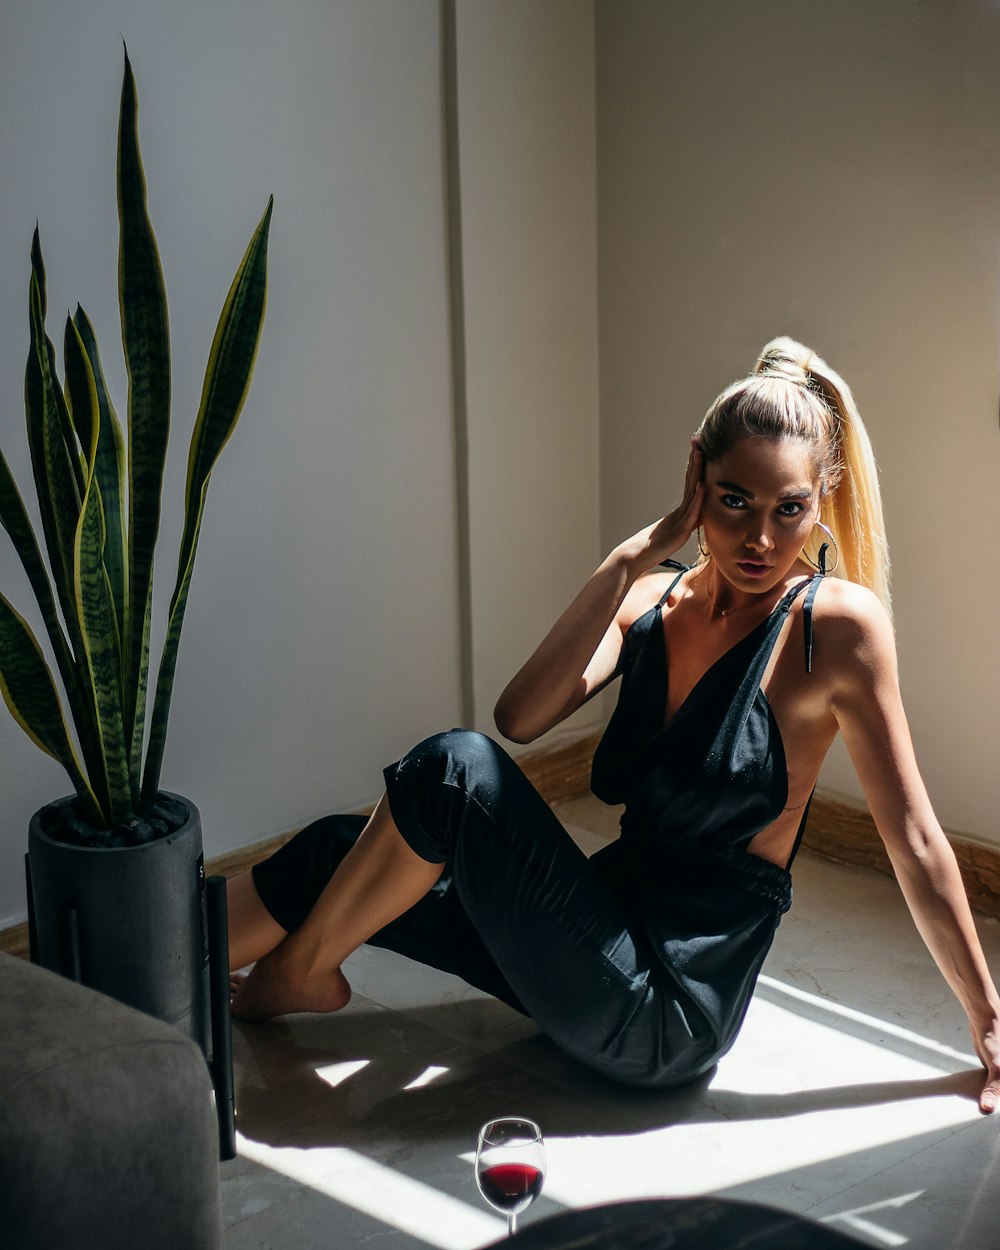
761,501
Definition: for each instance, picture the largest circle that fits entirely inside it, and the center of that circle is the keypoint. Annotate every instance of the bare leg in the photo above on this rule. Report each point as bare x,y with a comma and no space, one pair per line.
253,931
379,879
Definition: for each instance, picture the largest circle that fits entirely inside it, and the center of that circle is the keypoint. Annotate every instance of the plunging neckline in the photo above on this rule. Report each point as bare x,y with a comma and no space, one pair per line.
667,722
716,770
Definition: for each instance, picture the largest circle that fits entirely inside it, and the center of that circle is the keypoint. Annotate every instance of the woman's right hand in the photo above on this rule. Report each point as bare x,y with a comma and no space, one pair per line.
658,542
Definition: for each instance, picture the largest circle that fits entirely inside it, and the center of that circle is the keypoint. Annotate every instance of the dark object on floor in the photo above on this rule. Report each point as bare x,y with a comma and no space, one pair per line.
108,1137
680,1224
130,940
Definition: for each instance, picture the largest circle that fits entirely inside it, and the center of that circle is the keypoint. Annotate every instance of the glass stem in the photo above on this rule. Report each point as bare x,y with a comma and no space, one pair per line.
511,1223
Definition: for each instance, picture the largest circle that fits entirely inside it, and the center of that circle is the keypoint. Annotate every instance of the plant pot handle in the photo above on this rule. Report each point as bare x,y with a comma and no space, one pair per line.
221,1065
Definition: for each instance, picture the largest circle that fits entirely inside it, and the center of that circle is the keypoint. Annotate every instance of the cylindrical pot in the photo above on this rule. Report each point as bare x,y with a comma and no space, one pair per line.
130,921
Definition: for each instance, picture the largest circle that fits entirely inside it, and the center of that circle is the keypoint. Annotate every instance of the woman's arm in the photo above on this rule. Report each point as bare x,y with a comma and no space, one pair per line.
869,711
579,654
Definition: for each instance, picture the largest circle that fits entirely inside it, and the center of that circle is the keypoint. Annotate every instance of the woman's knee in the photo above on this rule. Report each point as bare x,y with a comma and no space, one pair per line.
459,744
462,758
434,788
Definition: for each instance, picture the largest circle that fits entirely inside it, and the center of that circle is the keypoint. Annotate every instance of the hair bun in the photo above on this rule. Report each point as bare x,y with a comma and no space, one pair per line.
786,359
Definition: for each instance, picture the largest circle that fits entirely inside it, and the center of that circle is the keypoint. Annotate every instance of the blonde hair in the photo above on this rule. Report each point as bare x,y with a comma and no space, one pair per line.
793,393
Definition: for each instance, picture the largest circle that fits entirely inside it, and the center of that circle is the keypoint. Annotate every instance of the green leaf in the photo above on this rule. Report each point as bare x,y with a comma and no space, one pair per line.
138,727
14,518
38,268
229,368
81,392
95,612
59,505
51,460
28,690
227,380
145,336
58,502
62,408
109,469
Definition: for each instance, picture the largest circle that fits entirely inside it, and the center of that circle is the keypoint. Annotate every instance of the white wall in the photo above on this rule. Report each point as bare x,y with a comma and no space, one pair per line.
829,171
525,104
321,637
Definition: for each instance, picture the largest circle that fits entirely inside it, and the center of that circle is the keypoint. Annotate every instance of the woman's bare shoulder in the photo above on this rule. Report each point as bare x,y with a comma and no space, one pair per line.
852,628
645,592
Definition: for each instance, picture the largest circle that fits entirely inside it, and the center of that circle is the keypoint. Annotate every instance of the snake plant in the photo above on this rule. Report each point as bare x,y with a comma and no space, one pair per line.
99,503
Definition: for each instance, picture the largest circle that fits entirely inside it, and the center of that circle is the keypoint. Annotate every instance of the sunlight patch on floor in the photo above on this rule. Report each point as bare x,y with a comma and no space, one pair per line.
335,1073
872,1022
429,1074
864,1220
380,1192
794,1094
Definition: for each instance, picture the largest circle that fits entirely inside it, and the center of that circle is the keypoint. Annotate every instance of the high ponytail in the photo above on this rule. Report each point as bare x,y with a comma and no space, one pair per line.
854,506
793,393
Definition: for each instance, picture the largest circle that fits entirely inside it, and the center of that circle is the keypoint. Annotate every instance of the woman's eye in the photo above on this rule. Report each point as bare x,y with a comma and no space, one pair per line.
791,508
733,501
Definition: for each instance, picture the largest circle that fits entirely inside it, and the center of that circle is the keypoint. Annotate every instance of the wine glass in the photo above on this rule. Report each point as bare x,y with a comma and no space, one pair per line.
510,1165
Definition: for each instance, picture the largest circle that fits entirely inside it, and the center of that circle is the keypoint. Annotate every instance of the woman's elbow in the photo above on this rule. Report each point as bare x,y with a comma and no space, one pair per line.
514,727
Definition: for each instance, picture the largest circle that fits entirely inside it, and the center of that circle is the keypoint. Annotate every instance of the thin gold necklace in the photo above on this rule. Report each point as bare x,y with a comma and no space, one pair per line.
715,607
723,612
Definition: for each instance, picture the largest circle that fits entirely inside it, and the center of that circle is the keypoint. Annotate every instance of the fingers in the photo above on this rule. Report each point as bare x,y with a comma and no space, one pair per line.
694,486
989,1099
695,466
987,1043
692,516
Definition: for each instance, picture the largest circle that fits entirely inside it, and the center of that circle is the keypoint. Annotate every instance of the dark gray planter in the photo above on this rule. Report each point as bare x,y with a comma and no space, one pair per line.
130,922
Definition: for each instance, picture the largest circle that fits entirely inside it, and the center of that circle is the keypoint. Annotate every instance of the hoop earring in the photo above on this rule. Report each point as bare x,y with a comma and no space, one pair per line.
820,562
702,549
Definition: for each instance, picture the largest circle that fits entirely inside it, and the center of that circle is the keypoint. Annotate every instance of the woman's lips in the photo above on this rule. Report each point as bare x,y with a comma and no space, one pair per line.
752,568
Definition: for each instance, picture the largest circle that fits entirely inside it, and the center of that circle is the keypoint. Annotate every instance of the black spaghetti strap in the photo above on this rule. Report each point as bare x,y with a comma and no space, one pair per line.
672,564
807,619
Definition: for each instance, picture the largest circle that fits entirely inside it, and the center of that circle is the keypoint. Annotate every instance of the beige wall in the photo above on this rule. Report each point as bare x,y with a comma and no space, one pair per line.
830,171
525,105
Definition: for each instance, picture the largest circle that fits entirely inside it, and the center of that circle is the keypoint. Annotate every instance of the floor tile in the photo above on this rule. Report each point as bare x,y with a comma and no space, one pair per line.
946,1194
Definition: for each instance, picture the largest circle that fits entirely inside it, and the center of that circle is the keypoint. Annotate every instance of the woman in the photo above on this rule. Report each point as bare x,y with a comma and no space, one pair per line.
737,674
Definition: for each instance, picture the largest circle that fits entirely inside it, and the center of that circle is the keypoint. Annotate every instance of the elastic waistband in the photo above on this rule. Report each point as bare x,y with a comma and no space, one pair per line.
758,875
746,871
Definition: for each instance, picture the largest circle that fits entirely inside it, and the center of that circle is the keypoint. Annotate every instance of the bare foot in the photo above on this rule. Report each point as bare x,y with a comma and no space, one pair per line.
273,990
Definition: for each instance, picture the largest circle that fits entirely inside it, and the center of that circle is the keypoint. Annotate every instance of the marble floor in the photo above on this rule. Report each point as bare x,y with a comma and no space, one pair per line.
849,1097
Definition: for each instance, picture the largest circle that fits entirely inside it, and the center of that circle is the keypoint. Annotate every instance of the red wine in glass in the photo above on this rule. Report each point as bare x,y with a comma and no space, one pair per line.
510,1165
511,1186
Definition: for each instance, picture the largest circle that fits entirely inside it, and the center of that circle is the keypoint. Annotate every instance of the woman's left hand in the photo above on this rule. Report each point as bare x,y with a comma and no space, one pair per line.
988,1049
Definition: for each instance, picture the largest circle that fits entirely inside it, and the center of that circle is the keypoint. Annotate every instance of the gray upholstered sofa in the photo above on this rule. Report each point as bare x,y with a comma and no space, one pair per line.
108,1137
